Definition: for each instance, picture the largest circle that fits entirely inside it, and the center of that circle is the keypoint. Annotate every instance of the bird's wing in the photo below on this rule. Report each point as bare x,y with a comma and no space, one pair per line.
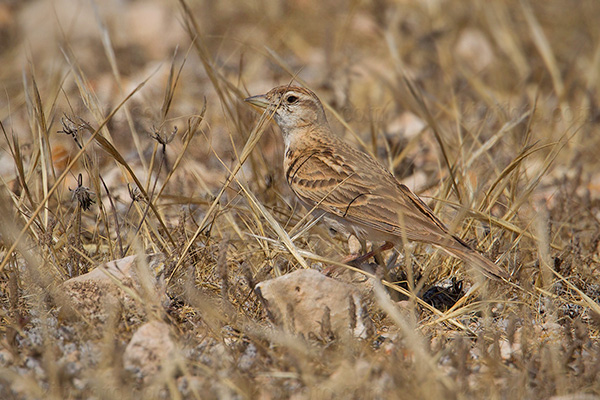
356,188
371,197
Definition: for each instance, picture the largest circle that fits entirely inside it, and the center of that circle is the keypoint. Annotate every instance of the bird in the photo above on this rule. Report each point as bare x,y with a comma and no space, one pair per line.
351,186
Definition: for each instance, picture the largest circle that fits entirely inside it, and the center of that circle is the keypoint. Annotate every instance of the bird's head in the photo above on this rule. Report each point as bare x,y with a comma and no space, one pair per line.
296,109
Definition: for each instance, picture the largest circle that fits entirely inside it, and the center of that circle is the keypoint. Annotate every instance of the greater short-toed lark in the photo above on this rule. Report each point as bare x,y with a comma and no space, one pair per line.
352,186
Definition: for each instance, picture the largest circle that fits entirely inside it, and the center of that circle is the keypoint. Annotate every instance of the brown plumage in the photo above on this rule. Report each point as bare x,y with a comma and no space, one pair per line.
352,186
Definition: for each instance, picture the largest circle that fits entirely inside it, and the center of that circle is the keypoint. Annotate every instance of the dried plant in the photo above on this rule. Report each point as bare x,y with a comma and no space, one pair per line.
489,111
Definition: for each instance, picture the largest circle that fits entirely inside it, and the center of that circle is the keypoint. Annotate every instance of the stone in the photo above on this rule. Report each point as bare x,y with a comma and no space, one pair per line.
406,125
150,351
475,49
109,288
354,245
309,303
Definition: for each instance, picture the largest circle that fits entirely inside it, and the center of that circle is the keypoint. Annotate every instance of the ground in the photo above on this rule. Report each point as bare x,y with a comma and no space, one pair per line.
125,133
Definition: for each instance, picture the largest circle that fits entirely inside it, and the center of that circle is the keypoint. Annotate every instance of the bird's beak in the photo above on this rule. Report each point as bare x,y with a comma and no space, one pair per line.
259,101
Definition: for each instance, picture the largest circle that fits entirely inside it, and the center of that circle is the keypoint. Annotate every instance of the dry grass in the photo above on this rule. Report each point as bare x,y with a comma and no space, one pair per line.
124,132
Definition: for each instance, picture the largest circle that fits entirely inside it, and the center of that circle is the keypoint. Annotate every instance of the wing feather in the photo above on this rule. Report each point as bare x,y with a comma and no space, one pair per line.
369,197
323,178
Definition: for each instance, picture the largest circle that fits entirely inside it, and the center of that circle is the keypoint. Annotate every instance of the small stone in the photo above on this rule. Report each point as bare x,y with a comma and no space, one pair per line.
150,350
475,49
190,386
309,303
100,293
407,125
354,245
507,350
79,384
6,358
248,358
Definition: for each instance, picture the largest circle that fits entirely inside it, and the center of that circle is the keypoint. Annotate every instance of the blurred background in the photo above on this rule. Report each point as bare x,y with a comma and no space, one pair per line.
478,65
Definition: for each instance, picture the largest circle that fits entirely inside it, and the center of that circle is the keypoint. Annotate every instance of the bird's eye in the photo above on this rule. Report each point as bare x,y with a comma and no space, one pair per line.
291,99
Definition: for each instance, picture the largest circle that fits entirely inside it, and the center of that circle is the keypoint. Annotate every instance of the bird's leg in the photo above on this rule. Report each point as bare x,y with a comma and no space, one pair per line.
386,271
357,261
376,253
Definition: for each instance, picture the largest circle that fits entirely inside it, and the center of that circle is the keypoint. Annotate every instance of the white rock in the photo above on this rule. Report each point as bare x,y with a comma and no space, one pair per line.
475,49
354,245
106,289
406,125
150,350
299,301
507,350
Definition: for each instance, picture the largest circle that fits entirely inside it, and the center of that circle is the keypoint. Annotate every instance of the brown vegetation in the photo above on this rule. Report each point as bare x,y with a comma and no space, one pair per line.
124,132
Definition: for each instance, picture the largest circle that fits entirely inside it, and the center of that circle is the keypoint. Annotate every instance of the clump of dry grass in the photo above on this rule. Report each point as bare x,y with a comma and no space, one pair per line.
104,158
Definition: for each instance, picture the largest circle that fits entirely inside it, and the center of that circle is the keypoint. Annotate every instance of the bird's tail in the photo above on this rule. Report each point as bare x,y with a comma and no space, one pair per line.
474,259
